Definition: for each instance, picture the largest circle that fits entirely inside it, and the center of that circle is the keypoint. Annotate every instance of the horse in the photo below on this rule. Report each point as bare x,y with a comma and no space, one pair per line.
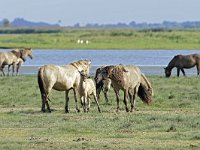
14,58
61,78
131,81
103,85
87,88
181,62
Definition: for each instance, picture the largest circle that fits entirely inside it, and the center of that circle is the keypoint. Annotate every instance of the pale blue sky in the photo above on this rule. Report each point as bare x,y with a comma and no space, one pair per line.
71,12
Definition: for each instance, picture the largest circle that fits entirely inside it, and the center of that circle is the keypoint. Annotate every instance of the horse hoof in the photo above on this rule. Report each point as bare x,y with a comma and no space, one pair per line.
43,110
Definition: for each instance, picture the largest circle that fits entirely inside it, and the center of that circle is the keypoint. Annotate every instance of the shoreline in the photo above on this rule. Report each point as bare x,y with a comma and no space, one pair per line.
147,70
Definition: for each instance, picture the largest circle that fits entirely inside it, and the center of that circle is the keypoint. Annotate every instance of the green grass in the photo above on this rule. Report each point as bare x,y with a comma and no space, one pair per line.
66,38
170,122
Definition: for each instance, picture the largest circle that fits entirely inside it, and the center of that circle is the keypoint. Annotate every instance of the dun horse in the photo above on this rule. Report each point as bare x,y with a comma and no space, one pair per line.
130,80
61,78
14,58
87,89
181,62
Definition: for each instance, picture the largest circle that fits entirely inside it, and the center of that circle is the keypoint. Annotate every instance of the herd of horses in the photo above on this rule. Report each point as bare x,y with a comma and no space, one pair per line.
75,76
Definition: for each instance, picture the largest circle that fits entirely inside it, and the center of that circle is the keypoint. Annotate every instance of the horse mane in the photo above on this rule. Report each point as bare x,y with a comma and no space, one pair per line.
17,53
78,63
173,61
28,49
117,74
97,71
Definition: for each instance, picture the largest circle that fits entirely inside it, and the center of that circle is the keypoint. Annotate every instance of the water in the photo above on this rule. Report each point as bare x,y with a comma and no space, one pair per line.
150,61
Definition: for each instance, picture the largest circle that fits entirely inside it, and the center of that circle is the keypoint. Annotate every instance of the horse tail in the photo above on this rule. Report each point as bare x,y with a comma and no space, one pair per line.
41,82
145,91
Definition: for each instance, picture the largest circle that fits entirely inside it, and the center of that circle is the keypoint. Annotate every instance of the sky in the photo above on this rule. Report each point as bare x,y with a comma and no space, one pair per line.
70,12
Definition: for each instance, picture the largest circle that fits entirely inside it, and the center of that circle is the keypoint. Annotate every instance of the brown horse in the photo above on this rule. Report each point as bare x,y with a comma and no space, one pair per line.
130,80
181,62
61,78
103,85
14,58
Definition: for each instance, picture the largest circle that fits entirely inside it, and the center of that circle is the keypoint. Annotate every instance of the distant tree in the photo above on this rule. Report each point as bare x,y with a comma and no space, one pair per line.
77,25
6,23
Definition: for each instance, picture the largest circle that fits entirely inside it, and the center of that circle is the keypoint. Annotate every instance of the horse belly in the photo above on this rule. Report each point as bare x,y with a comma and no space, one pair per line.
64,84
60,87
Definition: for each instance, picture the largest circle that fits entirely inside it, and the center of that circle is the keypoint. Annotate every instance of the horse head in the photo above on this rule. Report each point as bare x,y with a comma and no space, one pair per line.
168,72
27,52
103,73
84,75
82,65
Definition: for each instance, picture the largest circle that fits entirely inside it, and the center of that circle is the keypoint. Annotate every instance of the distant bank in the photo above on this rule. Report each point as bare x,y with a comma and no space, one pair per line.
99,38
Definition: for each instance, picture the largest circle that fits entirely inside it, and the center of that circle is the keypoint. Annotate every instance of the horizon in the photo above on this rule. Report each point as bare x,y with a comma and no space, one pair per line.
71,12
102,24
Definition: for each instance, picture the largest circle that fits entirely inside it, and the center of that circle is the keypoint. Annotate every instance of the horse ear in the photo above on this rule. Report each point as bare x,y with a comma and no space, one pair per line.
124,69
89,62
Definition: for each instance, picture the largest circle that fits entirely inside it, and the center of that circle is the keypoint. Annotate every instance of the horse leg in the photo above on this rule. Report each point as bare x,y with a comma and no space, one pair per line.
1,68
198,69
8,70
117,99
44,99
67,100
13,69
125,100
82,98
106,95
95,98
47,103
43,103
183,71
98,91
17,71
178,72
132,99
76,101
88,104
85,103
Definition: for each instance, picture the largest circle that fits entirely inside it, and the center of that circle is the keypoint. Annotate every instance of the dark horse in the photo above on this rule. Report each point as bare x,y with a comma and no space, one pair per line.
181,62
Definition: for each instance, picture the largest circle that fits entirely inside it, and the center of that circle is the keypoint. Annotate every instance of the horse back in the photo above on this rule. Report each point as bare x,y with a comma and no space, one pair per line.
7,58
184,61
132,76
58,77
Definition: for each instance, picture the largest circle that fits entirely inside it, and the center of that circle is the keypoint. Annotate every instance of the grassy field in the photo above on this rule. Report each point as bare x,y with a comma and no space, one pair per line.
170,122
66,38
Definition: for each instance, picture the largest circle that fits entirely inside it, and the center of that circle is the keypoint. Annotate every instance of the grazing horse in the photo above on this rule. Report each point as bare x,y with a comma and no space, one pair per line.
130,80
103,85
61,78
14,57
181,62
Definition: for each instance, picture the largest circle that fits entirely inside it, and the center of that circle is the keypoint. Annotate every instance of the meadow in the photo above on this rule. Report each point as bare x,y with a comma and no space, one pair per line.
170,122
66,38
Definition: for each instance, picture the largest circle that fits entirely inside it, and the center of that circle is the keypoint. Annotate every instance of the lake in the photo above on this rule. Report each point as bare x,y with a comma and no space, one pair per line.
150,61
